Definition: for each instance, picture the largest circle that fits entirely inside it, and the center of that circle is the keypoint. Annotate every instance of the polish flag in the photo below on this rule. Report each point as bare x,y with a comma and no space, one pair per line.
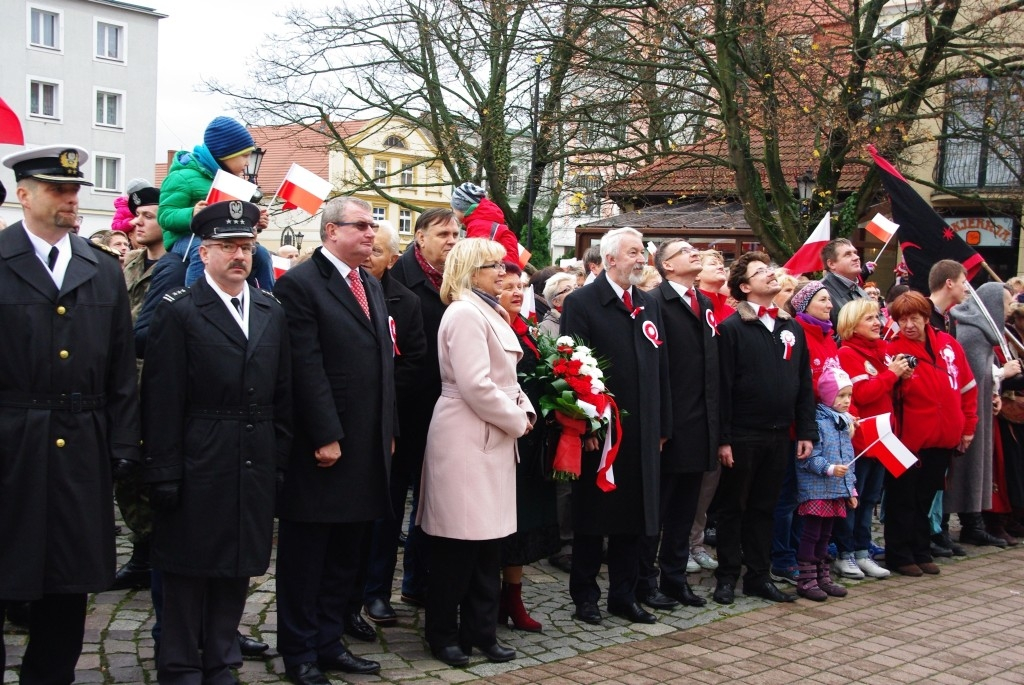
303,189
524,255
227,187
529,309
280,264
876,432
808,257
882,228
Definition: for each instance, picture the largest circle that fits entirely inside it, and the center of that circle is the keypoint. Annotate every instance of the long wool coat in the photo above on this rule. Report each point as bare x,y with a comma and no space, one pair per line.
468,490
217,410
638,376
56,512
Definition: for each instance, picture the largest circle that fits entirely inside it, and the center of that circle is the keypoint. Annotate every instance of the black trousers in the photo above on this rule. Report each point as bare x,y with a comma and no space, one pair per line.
317,575
678,498
747,494
55,634
623,568
200,614
463,592
908,500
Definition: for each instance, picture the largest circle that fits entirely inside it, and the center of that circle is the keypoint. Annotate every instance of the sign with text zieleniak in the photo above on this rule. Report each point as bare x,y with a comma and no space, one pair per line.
983,231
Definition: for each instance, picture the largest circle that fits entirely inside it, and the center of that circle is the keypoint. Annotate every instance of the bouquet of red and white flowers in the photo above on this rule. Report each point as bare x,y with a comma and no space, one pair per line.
572,377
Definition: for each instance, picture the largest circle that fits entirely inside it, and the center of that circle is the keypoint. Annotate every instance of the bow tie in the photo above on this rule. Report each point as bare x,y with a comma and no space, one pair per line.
773,312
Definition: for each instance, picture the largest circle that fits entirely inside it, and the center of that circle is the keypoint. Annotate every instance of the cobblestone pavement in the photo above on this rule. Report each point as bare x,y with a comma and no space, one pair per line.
966,625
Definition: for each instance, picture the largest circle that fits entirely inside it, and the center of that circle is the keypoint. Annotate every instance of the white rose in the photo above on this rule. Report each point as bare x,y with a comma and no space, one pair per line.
581,351
596,386
587,408
564,340
590,371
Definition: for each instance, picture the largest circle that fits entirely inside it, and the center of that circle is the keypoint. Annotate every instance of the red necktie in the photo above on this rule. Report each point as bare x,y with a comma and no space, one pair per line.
773,312
359,291
628,301
693,301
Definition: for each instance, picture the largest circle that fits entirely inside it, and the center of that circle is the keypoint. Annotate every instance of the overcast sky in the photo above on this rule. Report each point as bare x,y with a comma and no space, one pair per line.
203,39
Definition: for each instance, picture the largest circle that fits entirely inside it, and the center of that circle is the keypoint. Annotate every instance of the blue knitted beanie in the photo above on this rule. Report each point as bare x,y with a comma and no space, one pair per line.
226,138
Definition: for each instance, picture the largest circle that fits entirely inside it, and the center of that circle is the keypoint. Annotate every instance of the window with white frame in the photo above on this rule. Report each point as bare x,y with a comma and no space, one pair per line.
108,173
110,41
380,169
407,176
513,181
380,213
405,221
44,28
109,109
44,98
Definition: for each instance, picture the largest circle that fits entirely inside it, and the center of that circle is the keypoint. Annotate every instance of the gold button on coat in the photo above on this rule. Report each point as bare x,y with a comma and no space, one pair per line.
62,310
60,442
64,354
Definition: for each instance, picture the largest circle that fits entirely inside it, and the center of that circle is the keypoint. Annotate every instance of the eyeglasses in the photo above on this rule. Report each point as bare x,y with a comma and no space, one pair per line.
358,225
689,249
232,248
497,266
759,272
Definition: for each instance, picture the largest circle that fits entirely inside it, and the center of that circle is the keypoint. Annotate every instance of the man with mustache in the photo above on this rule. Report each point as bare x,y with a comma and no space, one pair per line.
622,324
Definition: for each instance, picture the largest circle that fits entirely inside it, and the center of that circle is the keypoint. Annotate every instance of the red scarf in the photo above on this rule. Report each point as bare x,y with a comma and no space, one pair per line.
523,331
433,275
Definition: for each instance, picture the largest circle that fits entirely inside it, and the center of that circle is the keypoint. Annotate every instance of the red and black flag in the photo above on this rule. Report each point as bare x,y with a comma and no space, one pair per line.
924,236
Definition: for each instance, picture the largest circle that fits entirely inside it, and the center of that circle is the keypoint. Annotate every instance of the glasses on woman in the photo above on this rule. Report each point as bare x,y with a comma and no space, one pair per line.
497,266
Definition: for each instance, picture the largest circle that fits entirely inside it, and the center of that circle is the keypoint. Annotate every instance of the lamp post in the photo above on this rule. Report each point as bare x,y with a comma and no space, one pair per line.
805,185
252,168
531,189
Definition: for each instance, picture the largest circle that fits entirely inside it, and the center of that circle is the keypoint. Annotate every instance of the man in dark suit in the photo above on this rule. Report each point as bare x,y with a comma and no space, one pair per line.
766,390
343,369
216,394
69,413
410,349
623,325
691,339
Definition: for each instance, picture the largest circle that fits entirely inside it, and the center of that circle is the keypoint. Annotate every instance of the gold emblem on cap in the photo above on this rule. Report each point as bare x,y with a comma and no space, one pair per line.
69,162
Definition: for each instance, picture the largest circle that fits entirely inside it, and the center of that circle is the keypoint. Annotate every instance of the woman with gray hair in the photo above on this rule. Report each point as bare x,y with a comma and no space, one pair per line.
555,292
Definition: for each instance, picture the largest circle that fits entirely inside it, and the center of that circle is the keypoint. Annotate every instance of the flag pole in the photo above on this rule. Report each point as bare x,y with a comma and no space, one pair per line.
988,318
991,273
879,253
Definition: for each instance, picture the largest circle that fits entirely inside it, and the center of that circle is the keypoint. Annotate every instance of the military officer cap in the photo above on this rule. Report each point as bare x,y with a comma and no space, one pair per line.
52,164
147,195
234,219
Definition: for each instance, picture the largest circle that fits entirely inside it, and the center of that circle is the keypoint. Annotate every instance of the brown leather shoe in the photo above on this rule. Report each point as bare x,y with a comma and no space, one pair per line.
929,567
912,570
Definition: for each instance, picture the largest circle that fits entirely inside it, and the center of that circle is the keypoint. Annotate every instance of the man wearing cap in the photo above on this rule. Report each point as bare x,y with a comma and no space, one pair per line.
337,486
217,410
68,410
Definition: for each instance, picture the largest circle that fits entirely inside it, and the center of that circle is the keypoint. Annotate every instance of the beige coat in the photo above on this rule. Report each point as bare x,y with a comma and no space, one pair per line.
468,491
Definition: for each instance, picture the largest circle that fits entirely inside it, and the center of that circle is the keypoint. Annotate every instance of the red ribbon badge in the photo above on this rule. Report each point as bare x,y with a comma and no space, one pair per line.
788,339
651,333
709,316
394,334
633,314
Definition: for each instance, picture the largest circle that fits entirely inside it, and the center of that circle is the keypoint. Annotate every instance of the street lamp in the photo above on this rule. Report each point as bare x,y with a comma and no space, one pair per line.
252,168
805,184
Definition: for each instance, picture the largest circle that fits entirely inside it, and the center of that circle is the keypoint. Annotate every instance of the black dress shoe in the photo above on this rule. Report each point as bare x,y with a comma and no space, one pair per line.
632,612
767,590
451,655
306,674
656,599
498,653
979,537
939,551
347,662
251,647
356,627
132,576
381,612
563,562
412,600
684,595
588,613
725,593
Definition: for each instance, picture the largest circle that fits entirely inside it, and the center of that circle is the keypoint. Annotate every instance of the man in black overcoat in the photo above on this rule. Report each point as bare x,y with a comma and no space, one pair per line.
691,339
622,324
69,413
345,423
216,396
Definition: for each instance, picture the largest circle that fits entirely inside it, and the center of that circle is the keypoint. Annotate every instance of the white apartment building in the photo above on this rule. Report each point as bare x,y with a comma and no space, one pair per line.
83,72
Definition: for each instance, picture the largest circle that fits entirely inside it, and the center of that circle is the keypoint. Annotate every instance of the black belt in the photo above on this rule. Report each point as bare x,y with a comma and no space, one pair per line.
73,402
253,412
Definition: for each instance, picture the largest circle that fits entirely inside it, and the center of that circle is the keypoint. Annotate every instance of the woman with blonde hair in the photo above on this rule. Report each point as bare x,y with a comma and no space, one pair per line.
468,491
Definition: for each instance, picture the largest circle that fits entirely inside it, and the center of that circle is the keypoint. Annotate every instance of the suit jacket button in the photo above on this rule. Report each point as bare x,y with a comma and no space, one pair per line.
60,442
248,463
63,354
61,310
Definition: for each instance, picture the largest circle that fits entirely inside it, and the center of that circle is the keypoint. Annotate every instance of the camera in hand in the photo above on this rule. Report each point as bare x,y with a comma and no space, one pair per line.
911,360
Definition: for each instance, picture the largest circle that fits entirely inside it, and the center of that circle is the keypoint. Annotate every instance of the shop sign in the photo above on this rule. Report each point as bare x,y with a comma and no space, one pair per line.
983,231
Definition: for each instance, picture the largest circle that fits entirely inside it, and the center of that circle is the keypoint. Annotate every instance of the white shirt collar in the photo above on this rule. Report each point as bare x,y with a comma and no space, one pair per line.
243,318
42,250
616,287
341,266
683,290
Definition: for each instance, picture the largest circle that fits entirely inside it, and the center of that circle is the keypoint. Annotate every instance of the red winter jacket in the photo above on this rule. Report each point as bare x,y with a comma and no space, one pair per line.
938,405
480,223
873,382
821,348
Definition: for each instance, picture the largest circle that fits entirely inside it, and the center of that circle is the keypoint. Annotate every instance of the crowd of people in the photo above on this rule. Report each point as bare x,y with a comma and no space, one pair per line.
366,376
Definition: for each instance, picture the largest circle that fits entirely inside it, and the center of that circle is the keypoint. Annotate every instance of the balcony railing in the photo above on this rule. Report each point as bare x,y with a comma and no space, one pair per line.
974,164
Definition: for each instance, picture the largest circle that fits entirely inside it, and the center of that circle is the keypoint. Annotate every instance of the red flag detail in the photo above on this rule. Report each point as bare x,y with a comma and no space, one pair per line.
10,126
808,257
883,444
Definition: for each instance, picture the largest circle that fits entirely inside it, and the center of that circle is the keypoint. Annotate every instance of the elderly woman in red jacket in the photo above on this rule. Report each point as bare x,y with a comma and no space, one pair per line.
863,357
936,412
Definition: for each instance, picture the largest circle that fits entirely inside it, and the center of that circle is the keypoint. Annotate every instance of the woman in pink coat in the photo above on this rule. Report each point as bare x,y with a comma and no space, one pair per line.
468,490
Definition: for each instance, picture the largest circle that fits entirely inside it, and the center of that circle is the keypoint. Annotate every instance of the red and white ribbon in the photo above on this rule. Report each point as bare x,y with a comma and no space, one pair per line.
651,333
709,316
605,474
633,314
788,339
394,334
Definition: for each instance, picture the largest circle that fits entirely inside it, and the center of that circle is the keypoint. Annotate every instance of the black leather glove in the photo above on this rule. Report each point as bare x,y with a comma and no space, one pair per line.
279,484
123,469
165,496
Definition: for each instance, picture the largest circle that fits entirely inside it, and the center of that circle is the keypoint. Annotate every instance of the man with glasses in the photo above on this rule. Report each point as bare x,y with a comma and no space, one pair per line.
765,390
345,423
217,406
